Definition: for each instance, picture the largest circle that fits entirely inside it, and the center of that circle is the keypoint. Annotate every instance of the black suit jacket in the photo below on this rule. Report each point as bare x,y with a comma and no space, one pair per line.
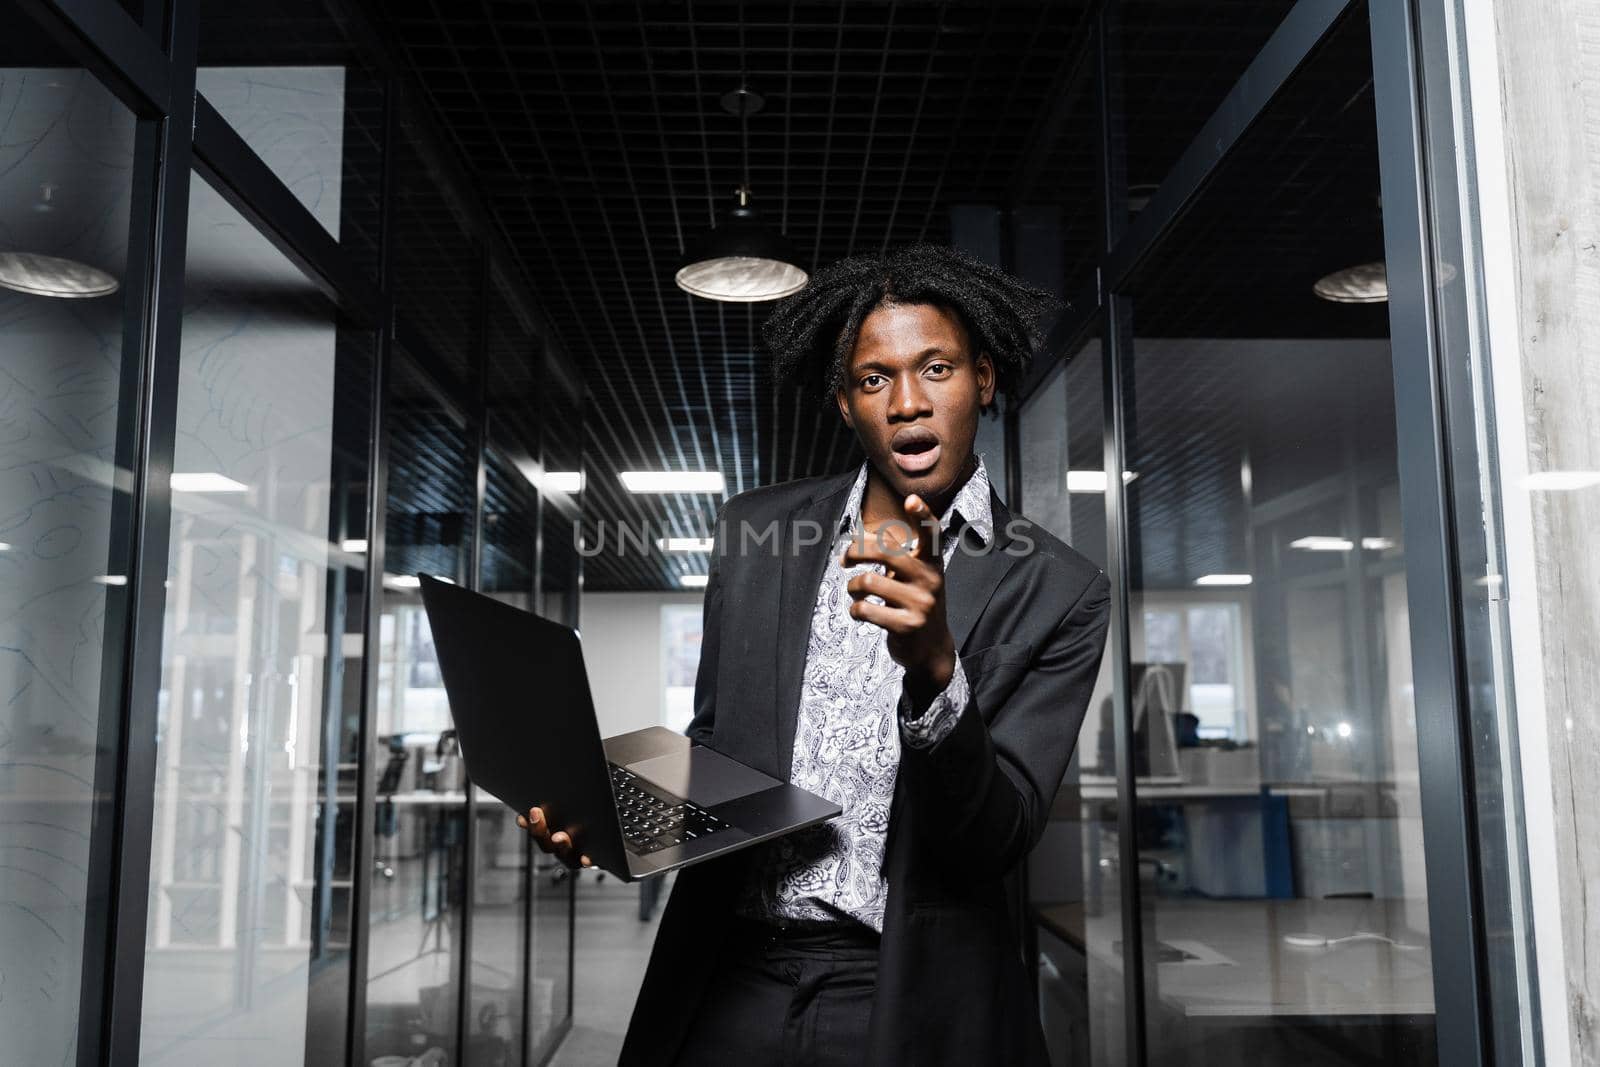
1029,622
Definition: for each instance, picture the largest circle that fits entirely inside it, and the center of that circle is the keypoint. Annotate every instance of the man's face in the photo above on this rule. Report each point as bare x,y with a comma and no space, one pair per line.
913,391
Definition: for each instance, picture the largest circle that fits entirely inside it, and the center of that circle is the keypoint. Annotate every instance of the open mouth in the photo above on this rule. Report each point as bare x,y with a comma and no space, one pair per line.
915,449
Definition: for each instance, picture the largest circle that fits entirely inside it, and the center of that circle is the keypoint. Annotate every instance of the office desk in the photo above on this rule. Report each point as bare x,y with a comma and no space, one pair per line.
1258,975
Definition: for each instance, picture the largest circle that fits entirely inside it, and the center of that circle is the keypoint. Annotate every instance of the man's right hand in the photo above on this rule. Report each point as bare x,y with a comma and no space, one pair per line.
558,844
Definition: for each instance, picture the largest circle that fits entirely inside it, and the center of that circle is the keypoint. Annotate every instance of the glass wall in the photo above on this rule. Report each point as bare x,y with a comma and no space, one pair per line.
1274,734
500,920
320,888
69,311
251,849
419,822
1073,874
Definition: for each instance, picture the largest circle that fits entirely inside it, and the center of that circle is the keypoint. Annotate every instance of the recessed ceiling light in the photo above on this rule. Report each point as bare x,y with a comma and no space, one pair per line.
1561,480
4,547
551,481
354,544
111,579
206,482
563,481
402,581
684,544
1223,579
1317,543
40,275
1093,481
1377,544
672,481
693,581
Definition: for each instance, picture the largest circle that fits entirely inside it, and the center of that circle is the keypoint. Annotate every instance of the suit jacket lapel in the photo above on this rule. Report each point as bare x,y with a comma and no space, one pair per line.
971,577
803,566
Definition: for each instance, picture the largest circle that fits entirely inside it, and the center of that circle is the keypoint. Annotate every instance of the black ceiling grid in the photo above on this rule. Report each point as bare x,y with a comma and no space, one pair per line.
597,135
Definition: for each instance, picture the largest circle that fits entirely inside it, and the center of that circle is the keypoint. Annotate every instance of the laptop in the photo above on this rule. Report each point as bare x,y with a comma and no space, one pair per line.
638,804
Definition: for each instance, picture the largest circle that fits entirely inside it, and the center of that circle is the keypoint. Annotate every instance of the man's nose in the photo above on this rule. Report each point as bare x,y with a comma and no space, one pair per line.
907,400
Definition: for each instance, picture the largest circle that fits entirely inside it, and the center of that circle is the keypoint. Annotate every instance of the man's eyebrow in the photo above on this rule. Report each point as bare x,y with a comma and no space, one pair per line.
921,357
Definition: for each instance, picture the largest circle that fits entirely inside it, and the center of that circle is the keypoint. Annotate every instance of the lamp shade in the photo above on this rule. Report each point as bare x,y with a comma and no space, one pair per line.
40,275
741,261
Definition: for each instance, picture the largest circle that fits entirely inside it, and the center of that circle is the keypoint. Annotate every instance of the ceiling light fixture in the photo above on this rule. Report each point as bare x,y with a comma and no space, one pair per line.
1377,544
1093,481
354,544
569,482
672,481
693,581
563,481
1561,480
684,544
1367,283
41,275
1223,579
206,482
742,260
1319,543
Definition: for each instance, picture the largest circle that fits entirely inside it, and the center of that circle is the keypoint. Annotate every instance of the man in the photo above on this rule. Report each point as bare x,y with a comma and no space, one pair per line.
892,638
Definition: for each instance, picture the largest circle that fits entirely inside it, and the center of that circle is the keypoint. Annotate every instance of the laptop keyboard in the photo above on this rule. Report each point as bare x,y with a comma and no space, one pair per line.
653,819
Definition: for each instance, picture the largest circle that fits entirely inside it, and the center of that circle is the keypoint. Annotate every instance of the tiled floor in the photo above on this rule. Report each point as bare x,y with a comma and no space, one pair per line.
612,947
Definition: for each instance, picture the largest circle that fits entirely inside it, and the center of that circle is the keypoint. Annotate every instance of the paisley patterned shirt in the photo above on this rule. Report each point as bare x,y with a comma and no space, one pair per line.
848,733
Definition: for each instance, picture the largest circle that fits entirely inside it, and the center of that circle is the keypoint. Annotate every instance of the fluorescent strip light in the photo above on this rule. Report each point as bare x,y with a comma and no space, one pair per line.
1223,579
1093,481
1377,544
1320,543
563,481
693,581
4,547
206,482
684,544
354,544
111,579
1561,481
402,581
672,481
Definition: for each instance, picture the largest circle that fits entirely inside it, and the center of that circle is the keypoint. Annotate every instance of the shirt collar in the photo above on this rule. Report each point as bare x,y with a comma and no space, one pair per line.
971,504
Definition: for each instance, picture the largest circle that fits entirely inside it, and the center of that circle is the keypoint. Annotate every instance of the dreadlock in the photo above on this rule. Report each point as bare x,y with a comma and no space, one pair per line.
813,333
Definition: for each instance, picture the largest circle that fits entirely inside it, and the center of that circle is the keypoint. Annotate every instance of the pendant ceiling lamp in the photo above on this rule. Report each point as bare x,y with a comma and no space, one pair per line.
41,275
741,260
1367,283
1364,284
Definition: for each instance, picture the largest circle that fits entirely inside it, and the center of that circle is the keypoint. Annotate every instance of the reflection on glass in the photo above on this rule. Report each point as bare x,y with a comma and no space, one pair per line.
437,268
500,920
1279,828
419,821
550,983
66,162
1073,881
261,663
1162,104
283,76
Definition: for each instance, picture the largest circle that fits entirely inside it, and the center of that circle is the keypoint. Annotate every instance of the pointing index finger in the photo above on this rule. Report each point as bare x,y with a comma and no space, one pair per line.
927,525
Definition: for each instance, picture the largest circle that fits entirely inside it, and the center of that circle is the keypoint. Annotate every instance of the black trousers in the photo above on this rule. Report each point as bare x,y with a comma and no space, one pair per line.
797,997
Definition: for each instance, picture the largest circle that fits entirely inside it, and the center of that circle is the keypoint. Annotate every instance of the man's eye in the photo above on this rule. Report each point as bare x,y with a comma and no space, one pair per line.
938,368
871,381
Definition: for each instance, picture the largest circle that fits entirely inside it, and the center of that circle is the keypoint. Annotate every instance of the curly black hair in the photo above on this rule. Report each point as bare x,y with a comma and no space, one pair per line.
812,333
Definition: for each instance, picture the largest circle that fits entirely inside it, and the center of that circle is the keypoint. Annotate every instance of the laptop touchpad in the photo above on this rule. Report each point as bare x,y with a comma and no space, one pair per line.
701,775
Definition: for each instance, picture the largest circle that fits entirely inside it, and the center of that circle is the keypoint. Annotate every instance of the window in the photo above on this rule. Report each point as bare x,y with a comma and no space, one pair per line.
680,659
